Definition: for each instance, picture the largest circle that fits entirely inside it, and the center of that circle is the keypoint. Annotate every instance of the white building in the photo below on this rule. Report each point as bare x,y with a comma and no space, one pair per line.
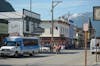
61,32
24,23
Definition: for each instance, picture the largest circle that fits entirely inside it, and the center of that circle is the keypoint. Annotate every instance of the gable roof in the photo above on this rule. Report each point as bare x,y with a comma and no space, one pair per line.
6,6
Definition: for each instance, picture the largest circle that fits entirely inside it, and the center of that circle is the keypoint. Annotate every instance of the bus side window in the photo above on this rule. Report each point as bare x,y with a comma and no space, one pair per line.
18,44
4,43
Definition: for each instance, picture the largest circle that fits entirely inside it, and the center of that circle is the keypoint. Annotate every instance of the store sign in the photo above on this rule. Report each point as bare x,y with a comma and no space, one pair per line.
30,14
96,13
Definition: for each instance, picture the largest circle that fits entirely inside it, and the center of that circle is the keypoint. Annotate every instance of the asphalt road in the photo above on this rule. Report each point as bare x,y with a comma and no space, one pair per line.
66,58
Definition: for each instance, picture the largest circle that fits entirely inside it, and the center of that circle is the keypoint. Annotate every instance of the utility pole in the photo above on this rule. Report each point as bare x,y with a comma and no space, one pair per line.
85,28
53,5
30,5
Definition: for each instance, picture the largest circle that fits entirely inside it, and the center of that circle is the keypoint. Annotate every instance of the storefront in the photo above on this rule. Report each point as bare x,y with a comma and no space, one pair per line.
57,40
3,30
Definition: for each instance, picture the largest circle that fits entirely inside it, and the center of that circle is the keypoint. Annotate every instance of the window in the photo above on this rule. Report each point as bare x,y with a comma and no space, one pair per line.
36,25
50,30
13,43
61,29
30,42
27,25
27,19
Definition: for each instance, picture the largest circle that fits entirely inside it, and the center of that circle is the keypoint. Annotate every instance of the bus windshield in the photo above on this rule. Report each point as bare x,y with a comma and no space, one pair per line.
12,43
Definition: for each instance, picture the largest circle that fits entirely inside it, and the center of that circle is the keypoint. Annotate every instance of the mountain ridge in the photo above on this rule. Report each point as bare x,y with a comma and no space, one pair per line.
80,20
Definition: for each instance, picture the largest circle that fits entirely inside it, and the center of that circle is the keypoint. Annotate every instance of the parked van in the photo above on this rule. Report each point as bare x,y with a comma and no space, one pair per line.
95,46
15,46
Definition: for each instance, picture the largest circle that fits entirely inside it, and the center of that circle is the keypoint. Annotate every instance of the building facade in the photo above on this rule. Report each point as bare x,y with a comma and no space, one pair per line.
5,6
60,32
79,41
72,32
91,32
24,23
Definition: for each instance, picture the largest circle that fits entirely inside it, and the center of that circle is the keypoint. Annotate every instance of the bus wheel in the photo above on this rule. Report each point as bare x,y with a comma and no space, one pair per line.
16,54
32,54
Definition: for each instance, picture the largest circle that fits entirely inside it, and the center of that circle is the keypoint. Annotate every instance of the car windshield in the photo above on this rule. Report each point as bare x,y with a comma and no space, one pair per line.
11,43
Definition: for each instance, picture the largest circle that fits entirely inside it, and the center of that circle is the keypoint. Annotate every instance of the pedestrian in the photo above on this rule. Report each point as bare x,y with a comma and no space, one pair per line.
57,48
51,48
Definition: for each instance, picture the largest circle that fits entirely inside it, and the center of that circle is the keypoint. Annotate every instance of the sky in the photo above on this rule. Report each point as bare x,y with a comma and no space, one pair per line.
43,7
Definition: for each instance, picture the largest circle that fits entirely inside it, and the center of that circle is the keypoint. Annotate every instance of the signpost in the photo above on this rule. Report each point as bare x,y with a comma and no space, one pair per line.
85,28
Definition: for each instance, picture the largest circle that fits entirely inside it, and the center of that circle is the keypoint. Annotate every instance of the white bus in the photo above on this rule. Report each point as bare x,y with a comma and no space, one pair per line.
16,46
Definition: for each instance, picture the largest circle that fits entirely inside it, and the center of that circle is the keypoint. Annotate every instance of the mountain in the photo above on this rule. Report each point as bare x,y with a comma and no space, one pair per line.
5,6
80,19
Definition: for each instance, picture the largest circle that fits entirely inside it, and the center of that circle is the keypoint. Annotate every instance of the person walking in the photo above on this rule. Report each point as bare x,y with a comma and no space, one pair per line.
57,48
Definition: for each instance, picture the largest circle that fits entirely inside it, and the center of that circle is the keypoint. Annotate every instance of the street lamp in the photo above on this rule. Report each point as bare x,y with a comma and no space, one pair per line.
54,4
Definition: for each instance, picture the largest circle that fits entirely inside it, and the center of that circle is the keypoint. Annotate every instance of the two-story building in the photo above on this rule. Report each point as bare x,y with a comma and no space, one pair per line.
60,32
24,23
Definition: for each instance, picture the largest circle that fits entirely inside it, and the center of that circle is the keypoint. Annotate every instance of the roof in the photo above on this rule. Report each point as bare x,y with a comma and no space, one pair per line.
59,21
5,6
9,15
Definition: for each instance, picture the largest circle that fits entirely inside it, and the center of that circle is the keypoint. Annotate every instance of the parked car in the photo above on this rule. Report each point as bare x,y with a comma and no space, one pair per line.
44,49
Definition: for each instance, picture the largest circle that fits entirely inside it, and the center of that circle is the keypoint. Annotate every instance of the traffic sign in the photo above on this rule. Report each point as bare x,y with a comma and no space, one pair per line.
85,26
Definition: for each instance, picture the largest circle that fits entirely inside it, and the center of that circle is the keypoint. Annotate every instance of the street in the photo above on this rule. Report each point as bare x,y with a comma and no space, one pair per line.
66,58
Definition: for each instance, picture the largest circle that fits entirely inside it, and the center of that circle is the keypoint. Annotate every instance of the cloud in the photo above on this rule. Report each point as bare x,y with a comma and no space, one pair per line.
75,15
